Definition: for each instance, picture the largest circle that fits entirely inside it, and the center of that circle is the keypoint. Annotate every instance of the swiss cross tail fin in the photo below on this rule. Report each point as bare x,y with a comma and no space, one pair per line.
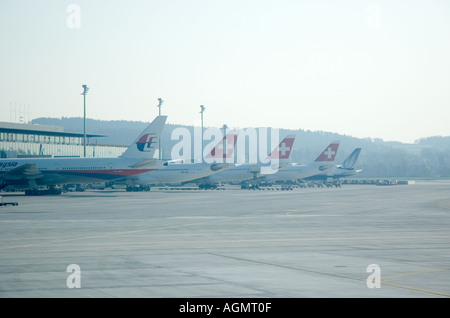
228,143
329,153
283,150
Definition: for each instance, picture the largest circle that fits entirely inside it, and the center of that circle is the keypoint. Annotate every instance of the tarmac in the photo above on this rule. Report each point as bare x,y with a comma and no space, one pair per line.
362,241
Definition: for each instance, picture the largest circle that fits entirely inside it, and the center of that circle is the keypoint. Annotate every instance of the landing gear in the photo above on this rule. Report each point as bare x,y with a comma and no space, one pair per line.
207,186
336,184
43,191
249,186
138,188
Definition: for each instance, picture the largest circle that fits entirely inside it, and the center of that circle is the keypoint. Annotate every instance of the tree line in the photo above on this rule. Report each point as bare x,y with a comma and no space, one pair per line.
425,158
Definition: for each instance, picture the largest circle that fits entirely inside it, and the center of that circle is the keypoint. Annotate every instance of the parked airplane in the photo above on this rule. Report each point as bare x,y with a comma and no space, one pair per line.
292,172
178,173
346,169
243,172
30,173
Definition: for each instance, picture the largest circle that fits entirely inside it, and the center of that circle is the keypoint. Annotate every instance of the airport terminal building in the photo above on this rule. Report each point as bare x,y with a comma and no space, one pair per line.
19,140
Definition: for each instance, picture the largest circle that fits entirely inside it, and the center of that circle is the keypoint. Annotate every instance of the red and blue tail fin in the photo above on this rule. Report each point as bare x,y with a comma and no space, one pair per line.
148,141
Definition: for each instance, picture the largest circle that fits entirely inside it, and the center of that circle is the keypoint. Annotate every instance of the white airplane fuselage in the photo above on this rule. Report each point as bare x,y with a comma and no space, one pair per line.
295,172
29,173
237,173
338,173
57,171
177,173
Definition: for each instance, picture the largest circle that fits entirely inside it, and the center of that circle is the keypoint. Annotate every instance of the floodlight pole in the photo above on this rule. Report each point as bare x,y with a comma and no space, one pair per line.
201,112
159,105
159,140
85,91
225,150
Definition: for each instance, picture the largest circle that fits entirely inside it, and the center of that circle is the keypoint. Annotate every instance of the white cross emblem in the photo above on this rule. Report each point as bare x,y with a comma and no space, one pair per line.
329,153
284,149
227,146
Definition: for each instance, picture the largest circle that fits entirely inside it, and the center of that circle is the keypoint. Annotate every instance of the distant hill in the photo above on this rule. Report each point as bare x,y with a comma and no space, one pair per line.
435,141
426,158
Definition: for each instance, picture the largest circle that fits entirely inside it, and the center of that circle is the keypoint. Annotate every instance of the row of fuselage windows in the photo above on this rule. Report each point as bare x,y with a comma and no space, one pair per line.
103,168
83,168
75,168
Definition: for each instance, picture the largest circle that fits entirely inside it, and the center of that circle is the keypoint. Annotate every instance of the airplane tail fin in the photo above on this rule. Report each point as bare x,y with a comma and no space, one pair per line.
328,155
350,161
283,150
228,143
147,142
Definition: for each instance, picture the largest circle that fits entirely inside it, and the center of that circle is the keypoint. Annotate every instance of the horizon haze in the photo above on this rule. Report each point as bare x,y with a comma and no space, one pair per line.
367,69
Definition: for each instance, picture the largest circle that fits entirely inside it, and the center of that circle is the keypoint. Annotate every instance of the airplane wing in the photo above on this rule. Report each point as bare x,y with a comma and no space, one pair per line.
219,166
26,171
149,163
174,161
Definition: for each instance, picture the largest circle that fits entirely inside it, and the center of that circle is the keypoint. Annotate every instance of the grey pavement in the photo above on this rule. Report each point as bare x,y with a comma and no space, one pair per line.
303,243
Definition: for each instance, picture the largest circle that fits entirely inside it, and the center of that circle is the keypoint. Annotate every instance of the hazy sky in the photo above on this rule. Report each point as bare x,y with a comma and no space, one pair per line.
377,69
